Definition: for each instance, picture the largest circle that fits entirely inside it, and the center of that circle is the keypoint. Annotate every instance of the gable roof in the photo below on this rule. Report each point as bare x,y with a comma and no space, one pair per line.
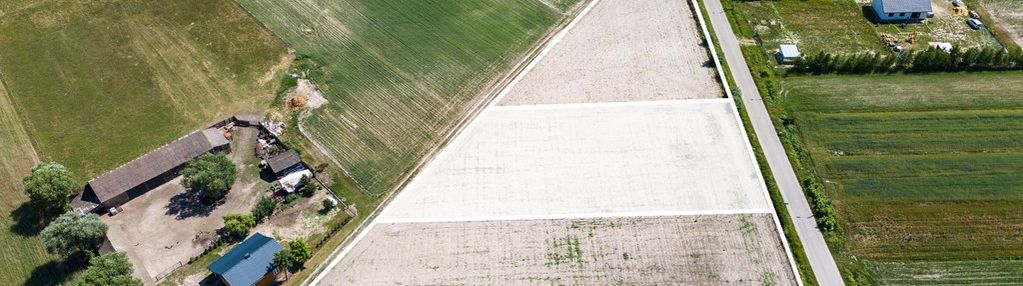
282,161
247,262
902,6
155,163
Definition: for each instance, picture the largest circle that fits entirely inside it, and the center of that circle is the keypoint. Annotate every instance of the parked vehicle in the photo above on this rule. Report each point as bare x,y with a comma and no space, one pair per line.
975,24
973,14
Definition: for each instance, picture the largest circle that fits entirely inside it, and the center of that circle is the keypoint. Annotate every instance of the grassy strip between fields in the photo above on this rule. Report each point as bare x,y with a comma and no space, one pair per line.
798,253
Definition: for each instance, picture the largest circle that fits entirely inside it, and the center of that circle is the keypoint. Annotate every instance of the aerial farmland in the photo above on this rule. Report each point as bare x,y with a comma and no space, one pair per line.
393,87
560,182
93,84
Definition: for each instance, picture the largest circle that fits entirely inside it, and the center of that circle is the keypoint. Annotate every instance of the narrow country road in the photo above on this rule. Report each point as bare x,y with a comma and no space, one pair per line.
806,227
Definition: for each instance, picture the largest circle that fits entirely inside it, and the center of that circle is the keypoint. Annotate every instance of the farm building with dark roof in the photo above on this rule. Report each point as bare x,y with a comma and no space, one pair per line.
148,171
280,162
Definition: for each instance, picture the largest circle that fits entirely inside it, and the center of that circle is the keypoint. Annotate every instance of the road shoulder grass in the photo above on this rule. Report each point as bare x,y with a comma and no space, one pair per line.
781,210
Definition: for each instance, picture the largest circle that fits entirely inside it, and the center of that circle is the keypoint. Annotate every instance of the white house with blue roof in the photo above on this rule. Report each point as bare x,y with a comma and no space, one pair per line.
249,263
901,10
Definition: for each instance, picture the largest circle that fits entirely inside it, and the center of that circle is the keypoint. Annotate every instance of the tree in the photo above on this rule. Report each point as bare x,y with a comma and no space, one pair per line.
300,251
49,187
111,269
210,174
284,260
308,186
238,225
264,208
72,234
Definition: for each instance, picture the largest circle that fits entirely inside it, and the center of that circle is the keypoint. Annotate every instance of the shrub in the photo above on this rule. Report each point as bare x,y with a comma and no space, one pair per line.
238,225
328,205
211,174
264,208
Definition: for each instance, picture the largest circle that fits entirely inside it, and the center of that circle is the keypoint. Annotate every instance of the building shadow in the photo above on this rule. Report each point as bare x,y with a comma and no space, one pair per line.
868,13
27,221
210,280
188,204
57,272
267,175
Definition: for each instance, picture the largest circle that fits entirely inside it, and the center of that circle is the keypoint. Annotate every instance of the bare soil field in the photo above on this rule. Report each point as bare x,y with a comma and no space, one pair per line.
594,158
701,250
167,226
624,50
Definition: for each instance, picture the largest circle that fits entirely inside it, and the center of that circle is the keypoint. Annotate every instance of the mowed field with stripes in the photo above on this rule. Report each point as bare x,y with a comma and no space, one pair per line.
923,171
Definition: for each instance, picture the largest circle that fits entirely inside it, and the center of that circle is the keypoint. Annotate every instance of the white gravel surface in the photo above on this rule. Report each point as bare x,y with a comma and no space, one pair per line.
588,159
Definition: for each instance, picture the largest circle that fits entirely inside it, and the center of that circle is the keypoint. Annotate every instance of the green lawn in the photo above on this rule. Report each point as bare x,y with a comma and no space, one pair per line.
399,73
26,262
101,82
844,26
923,170
93,84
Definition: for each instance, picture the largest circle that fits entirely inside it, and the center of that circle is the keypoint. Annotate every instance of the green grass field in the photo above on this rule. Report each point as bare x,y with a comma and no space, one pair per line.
93,84
25,260
923,170
841,26
983,272
399,73
100,82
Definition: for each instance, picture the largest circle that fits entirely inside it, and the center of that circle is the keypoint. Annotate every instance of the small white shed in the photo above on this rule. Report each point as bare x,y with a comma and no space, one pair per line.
787,53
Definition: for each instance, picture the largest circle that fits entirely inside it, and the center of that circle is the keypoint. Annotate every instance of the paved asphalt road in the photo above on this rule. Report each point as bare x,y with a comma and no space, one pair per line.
806,227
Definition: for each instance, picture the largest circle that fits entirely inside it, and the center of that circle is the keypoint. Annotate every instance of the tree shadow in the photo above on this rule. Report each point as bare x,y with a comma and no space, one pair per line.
188,204
57,272
27,221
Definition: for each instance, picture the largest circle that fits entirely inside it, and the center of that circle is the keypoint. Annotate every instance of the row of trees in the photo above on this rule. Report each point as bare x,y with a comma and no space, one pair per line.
929,60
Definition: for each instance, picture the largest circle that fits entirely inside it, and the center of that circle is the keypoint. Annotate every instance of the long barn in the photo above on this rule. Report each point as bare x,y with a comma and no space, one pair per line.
148,171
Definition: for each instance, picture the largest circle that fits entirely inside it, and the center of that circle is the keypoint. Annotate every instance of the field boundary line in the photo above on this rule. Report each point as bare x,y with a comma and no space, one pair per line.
364,229
671,102
577,216
9,97
749,146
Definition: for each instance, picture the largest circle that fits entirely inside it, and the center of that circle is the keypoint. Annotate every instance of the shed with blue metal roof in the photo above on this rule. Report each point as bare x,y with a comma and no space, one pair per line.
249,263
